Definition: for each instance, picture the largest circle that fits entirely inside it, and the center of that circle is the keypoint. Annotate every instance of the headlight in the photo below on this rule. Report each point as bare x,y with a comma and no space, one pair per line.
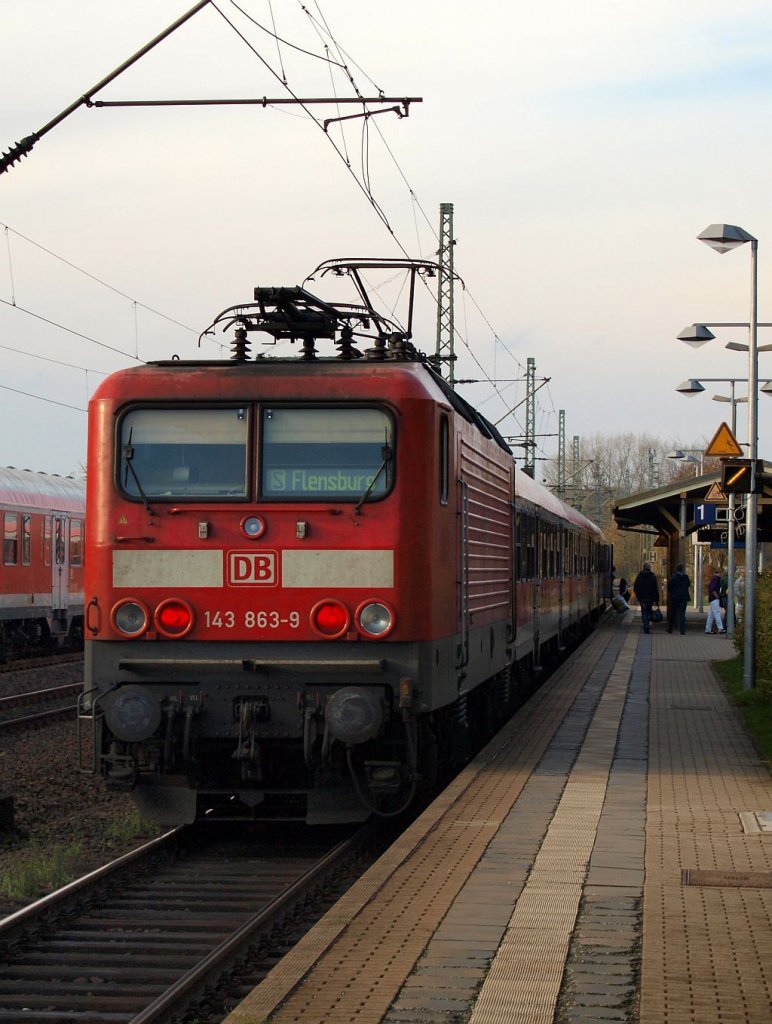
373,618
132,713
130,617
354,715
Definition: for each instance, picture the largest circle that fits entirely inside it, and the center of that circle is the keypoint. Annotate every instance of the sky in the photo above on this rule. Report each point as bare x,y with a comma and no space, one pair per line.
584,146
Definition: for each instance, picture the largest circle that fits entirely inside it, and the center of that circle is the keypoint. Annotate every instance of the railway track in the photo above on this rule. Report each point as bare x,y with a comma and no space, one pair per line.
31,662
153,935
20,710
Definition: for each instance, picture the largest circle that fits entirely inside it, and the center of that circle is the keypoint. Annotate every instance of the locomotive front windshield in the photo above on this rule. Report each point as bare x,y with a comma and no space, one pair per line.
332,453
177,453
305,453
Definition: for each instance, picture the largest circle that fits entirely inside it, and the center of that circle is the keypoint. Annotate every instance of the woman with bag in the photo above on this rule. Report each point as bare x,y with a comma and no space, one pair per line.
714,609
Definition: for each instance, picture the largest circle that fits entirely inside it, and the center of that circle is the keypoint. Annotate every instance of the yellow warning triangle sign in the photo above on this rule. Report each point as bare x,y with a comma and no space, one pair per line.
715,494
724,444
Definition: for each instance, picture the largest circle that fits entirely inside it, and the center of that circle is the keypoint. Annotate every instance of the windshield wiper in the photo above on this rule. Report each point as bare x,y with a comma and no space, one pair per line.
128,454
386,455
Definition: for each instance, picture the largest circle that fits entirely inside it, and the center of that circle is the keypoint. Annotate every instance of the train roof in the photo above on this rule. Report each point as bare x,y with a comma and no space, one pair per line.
23,488
528,488
300,366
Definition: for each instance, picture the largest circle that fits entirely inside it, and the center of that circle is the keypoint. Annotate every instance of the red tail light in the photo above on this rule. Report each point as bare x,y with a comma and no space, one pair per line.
173,618
330,619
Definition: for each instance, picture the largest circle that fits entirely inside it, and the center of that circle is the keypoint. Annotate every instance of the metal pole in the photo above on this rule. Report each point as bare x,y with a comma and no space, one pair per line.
751,558
682,531
446,331
23,148
730,536
530,417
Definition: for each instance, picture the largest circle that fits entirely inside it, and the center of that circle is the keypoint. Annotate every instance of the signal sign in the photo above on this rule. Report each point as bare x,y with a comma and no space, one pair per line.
715,494
738,476
724,444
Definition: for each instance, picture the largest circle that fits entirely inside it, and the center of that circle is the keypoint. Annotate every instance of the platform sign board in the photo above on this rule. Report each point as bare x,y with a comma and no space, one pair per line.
724,444
705,514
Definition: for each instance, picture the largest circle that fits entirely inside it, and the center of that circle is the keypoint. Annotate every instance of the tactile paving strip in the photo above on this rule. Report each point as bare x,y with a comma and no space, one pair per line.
524,980
353,963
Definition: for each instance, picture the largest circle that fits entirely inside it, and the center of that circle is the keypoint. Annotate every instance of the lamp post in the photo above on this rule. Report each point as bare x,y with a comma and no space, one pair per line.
723,238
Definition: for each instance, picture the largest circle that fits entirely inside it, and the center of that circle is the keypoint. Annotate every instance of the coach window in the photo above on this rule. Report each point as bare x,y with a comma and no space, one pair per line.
47,540
184,453
60,527
76,542
11,538
518,546
530,549
26,539
328,454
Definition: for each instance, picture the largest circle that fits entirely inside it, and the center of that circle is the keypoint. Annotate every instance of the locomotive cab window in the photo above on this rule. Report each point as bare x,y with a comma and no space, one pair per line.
184,453
326,454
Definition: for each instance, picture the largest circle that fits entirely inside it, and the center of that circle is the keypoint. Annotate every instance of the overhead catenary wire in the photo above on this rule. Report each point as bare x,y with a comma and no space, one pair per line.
368,195
40,398
364,182
69,330
50,359
86,273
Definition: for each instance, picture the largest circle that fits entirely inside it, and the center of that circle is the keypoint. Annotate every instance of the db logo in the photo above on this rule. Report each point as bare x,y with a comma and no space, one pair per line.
252,568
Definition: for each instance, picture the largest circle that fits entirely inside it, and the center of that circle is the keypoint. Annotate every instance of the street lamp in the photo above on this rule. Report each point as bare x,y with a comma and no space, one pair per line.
690,388
723,238
694,455
697,334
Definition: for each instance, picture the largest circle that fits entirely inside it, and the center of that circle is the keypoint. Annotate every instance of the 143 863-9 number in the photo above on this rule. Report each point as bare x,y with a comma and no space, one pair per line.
251,619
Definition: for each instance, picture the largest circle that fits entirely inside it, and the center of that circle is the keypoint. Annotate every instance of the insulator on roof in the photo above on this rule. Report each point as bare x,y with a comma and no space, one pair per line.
240,346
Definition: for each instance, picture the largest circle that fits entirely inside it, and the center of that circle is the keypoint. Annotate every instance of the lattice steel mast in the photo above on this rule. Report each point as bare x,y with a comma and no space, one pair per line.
445,357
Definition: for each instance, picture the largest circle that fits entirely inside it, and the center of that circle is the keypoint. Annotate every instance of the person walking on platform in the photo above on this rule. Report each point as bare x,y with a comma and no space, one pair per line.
677,599
714,608
646,589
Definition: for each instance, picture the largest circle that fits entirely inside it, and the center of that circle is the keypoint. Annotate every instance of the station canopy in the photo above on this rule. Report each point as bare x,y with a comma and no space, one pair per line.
659,510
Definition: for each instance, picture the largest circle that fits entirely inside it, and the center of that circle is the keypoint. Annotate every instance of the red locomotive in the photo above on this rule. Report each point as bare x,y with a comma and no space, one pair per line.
41,576
311,580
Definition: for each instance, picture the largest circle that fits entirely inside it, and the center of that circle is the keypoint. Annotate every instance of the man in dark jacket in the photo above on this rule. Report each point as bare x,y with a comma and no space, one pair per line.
677,599
646,589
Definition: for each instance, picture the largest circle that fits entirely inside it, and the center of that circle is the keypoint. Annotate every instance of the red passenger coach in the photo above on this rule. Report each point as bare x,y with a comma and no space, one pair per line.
309,580
41,576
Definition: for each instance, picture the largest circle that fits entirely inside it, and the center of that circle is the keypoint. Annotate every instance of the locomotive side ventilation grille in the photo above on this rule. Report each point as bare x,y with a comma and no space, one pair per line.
489,559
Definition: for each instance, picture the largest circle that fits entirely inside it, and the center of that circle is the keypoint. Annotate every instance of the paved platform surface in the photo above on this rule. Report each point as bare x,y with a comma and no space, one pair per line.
607,857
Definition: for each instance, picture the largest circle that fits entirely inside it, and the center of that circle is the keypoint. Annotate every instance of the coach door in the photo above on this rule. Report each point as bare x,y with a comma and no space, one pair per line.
59,562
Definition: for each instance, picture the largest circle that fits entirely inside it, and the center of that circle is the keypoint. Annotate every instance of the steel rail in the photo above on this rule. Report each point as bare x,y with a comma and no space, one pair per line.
183,990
